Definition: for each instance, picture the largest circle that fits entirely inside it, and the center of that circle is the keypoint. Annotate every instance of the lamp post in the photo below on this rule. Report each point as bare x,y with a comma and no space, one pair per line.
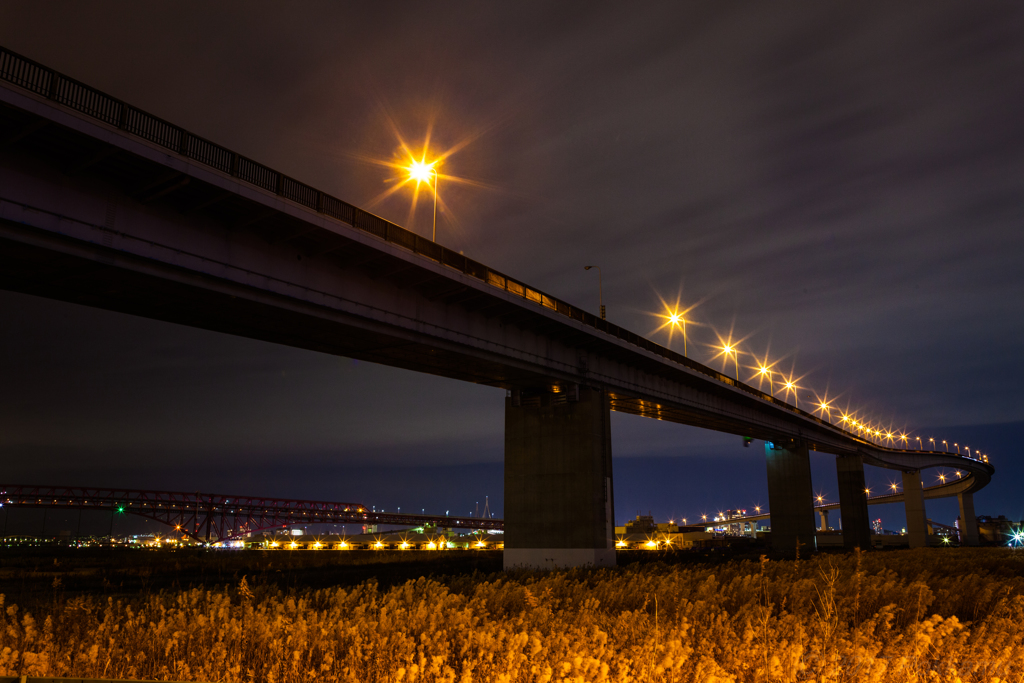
433,234
728,349
420,172
677,319
600,294
791,387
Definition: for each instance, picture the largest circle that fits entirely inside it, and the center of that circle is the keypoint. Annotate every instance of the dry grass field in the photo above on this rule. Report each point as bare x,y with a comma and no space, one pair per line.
926,615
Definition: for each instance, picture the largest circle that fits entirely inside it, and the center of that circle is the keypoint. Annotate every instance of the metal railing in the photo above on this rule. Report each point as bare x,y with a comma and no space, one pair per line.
55,86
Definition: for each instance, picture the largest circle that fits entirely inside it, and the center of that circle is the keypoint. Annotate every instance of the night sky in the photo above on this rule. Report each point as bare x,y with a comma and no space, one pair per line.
841,187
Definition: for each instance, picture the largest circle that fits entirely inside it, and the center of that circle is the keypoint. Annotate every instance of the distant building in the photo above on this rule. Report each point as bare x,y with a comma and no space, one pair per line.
997,530
643,524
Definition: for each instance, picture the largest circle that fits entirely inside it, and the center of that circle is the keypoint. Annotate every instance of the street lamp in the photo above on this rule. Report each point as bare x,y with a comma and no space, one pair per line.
790,386
420,172
945,446
600,295
730,349
676,319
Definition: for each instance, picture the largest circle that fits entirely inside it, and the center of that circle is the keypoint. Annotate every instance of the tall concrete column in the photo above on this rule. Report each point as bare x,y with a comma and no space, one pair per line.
559,510
824,520
853,502
913,502
790,497
968,522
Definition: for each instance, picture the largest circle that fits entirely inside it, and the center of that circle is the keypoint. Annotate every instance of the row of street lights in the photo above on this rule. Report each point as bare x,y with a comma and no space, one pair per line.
763,371
423,172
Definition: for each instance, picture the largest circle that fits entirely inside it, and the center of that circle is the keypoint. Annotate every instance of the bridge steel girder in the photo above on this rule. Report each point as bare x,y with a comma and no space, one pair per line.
199,515
88,240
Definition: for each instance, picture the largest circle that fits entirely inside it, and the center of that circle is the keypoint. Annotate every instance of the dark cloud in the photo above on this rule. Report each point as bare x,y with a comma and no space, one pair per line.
841,184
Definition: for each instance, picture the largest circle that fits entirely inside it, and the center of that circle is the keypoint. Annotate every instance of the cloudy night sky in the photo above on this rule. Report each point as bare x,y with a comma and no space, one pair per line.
839,186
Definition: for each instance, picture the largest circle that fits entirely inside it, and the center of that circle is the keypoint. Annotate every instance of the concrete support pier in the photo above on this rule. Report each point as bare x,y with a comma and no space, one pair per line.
559,509
853,502
824,520
913,501
968,522
790,497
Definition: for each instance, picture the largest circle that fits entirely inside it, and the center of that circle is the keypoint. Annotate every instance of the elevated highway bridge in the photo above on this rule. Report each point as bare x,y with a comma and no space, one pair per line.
949,489
105,205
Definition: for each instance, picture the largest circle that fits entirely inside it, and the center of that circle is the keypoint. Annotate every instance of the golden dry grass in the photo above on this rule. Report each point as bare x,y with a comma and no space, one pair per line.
928,615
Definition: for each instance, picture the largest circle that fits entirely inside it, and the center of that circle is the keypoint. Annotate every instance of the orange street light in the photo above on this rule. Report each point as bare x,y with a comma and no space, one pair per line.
790,386
824,409
728,349
420,172
677,319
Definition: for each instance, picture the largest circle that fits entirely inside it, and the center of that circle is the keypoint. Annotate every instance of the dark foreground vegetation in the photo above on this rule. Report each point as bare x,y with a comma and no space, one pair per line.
924,615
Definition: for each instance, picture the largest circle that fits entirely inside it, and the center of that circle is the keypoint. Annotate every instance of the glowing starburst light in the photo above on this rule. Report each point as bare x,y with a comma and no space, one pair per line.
421,172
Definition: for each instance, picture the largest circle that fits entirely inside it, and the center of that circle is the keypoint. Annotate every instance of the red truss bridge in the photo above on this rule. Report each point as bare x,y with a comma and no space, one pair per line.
203,516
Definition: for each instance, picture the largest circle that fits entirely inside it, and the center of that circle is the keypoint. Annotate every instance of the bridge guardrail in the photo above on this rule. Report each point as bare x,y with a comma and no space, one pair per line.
73,94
